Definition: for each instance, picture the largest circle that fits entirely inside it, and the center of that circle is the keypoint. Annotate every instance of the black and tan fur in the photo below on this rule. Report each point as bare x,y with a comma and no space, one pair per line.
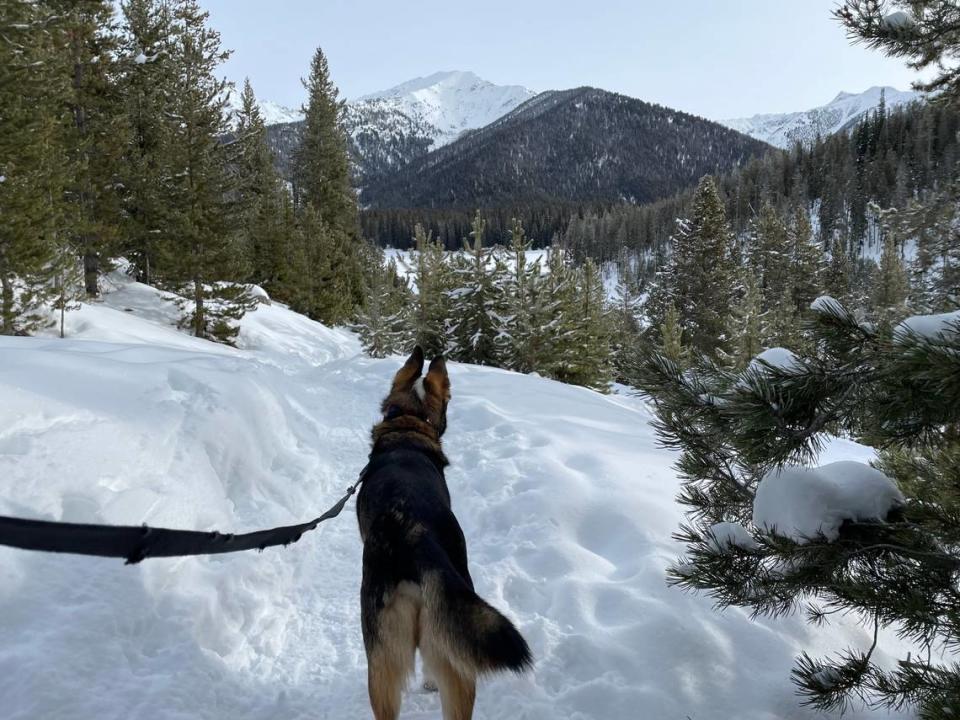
416,590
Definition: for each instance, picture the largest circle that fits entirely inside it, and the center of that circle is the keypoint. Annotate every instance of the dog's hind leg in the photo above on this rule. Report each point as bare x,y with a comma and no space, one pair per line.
391,650
457,691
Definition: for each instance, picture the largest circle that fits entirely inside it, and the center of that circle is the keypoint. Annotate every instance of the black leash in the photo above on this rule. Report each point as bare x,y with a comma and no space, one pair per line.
139,543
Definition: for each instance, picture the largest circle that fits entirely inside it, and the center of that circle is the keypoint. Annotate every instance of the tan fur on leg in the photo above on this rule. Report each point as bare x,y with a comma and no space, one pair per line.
391,661
457,691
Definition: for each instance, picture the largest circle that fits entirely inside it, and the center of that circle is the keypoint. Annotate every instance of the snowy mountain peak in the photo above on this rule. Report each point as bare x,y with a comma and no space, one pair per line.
271,112
841,113
449,101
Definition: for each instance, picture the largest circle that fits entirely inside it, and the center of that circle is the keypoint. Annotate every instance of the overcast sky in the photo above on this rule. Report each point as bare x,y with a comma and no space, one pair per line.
716,58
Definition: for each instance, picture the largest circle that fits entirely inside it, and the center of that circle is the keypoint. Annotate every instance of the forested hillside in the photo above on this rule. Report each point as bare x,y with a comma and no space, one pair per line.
578,145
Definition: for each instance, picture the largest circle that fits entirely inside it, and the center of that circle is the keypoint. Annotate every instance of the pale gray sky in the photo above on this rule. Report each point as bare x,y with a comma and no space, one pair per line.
716,58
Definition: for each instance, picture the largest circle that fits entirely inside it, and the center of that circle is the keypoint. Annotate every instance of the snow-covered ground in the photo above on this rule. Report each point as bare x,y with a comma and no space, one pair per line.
565,499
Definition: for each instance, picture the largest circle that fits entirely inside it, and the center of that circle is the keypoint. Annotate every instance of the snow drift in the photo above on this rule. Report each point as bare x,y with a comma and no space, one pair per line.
566,502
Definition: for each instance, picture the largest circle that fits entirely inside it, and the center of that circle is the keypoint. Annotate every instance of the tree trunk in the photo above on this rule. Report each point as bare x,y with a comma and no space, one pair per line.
91,273
198,319
6,305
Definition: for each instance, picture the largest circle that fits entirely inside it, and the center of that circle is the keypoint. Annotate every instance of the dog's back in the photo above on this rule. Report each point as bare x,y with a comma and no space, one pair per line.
416,590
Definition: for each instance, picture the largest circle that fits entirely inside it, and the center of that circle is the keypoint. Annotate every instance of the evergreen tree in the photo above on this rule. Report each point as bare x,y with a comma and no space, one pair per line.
332,270
770,255
198,259
524,339
891,286
321,164
671,338
738,431
430,320
806,257
264,225
147,85
88,48
837,279
478,300
747,324
625,338
383,325
32,166
702,272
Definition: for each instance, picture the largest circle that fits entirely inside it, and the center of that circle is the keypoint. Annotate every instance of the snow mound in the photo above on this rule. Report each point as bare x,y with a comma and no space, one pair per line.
777,358
826,304
564,496
726,535
803,503
931,328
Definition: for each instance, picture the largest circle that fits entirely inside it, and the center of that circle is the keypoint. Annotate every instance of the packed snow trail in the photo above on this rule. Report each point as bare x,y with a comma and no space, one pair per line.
566,502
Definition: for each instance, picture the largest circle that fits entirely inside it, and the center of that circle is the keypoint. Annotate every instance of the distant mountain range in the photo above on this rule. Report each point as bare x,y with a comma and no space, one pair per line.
390,128
580,145
452,139
841,113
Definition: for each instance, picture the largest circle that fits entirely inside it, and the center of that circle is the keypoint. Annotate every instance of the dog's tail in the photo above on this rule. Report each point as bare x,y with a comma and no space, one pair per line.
474,635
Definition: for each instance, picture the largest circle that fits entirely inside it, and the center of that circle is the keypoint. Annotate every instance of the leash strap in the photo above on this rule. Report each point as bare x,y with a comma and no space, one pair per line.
139,543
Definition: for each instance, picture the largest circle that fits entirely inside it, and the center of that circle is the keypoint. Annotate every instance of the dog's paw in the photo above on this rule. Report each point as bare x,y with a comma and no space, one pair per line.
429,686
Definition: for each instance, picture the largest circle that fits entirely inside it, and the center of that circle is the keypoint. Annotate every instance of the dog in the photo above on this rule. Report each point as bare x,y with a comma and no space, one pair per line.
416,591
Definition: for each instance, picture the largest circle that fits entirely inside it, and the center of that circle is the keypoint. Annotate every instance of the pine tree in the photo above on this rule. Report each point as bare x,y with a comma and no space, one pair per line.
264,226
321,163
625,338
702,271
748,322
737,431
837,278
478,300
671,338
383,325
891,286
430,319
147,85
770,255
198,259
806,257
523,339
88,48
32,163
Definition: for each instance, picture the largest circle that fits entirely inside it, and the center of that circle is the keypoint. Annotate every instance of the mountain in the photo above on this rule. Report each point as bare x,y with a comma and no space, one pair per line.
841,113
565,496
272,113
390,128
574,145
449,103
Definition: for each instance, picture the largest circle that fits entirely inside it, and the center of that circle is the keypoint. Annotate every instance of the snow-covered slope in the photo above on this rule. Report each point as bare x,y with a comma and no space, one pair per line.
565,499
841,113
449,102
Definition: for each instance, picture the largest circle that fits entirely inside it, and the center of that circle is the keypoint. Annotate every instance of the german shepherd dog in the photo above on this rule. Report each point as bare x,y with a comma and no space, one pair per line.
416,590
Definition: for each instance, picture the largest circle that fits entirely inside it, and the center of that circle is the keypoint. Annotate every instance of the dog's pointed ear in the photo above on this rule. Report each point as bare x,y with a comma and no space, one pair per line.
437,381
408,374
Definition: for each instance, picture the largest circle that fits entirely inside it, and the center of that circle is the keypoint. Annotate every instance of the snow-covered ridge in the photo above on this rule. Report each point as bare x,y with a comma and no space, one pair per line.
785,129
271,112
451,102
564,495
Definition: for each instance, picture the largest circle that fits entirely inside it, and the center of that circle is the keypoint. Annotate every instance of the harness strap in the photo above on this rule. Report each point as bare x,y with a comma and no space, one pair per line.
139,543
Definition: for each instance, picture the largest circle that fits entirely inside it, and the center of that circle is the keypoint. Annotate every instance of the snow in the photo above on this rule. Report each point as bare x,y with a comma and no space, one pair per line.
803,503
725,535
826,304
566,500
899,20
941,327
451,102
784,129
776,357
